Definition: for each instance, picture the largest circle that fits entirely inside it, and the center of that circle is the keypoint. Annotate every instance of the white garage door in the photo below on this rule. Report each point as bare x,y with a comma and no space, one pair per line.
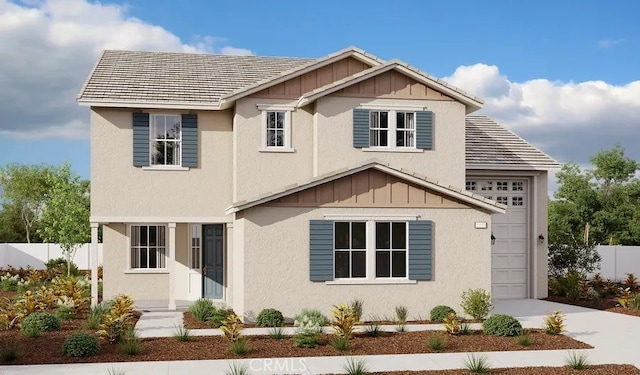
509,255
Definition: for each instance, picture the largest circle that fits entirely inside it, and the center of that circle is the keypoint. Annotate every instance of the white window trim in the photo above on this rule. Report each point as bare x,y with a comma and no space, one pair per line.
287,109
392,131
163,166
371,250
130,270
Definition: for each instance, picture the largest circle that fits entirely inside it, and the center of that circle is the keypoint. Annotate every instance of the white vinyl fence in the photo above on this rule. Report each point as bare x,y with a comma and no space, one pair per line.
37,254
617,261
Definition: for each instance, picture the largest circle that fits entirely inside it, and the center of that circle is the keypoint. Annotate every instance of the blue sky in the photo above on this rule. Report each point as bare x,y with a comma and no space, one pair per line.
556,72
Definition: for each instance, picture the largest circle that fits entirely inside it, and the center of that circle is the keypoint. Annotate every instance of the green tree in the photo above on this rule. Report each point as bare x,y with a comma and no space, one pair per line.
591,207
25,189
66,217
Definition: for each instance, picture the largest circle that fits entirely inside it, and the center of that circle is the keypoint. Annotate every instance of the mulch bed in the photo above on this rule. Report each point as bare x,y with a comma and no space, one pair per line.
592,370
605,304
9,295
47,349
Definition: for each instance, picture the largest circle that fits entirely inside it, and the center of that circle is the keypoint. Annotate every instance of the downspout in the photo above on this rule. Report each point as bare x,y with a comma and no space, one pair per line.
534,237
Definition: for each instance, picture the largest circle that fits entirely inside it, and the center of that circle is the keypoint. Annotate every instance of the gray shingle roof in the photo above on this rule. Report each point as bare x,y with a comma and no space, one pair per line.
489,144
177,77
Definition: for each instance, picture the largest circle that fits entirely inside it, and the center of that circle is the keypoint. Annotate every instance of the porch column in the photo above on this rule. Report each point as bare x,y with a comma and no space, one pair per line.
171,266
93,257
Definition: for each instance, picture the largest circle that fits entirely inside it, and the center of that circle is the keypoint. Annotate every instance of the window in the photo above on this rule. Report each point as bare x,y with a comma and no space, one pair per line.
518,186
379,129
350,244
275,129
391,249
502,186
388,128
471,185
405,129
148,246
166,140
486,186
517,201
502,199
196,246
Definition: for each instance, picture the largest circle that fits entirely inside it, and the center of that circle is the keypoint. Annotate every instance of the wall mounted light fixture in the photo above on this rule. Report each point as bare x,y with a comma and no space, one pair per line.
493,239
541,238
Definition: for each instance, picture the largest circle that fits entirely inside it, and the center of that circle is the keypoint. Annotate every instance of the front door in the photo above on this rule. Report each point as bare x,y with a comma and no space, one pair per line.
213,261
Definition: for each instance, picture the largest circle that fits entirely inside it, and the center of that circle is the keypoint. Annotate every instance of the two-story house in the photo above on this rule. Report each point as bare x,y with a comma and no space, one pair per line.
300,183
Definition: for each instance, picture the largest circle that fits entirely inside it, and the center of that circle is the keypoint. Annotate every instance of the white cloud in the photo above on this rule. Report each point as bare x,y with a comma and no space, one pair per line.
608,43
571,121
48,48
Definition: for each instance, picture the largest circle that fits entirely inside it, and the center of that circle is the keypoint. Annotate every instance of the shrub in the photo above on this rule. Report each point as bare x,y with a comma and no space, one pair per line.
401,314
477,364
240,346
452,324
131,344
634,302
202,309
572,286
524,340
306,340
577,361
31,331
311,315
47,322
232,327
356,367
65,312
435,343
554,323
117,321
270,318
476,303
439,313
465,329
80,344
237,369
218,317
631,282
276,333
8,352
182,334
345,321
58,267
373,330
9,283
502,325
96,315
340,343
357,306
624,297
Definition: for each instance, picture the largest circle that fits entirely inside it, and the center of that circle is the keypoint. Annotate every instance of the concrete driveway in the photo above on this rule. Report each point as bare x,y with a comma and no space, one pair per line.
614,337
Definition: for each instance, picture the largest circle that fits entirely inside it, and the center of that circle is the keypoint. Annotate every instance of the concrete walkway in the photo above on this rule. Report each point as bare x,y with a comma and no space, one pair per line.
614,337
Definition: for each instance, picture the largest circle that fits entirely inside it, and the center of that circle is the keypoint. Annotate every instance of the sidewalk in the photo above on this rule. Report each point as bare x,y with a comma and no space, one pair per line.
611,334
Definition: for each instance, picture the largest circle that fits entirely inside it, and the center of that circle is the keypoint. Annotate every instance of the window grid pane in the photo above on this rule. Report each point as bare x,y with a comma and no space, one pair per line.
195,246
275,129
166,140
391,263
379,129
147,246
350,238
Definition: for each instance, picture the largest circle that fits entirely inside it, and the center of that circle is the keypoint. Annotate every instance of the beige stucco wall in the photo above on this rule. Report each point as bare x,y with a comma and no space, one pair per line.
259,172
118,189
276,271
141,285
444,163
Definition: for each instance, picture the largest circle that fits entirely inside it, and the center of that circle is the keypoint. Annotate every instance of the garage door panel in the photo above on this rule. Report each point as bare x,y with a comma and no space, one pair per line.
509,254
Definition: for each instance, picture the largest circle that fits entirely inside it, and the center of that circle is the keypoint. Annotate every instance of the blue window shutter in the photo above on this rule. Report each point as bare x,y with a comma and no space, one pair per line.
360,127
190,141
140,139
424,130
320,250
420,250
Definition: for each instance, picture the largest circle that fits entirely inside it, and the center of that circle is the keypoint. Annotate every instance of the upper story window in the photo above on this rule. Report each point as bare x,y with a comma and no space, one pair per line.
275,129
399,129
166,140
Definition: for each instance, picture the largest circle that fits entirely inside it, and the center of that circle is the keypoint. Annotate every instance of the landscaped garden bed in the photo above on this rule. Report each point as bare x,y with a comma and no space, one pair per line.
597,293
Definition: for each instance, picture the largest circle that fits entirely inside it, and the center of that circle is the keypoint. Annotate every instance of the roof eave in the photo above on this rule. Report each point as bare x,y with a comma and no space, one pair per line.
512,167
147,104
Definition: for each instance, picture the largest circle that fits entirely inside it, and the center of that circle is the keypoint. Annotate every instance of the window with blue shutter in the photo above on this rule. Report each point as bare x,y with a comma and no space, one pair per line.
140,139
424,130
321,250
420,249
360,127
190,141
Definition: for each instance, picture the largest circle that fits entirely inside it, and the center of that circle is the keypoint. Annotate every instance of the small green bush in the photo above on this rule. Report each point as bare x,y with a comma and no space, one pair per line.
240,346
9,285
276,333
634,302
182,334
439,313
270,318
80,344
202,309
435,343
577,361
311,315
32,330
477,364
476,303
65,313
502,325
218,317
356,366
340,343
524,340
306,340
47,322
357,306
131,343
58,267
